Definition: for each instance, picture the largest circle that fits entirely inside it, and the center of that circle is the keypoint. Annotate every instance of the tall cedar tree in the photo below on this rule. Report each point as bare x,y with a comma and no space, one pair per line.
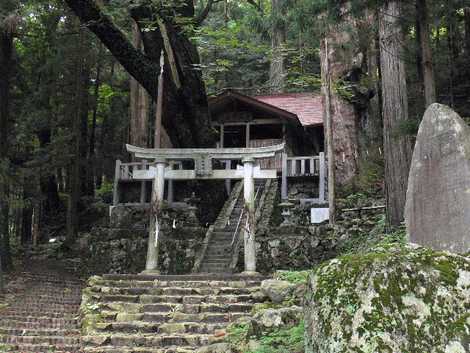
397,146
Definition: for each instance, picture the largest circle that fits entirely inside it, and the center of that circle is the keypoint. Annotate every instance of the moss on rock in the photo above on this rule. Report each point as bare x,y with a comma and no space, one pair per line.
396,298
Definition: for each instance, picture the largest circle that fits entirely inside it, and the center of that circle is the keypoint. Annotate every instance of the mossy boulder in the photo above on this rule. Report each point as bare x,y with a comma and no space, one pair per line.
396,298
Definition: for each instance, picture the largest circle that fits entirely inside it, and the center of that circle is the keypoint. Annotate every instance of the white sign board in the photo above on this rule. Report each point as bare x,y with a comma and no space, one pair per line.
319,215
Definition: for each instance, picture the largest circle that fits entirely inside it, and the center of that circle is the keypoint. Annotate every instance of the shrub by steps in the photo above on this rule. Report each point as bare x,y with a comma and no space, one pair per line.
45,317
163,314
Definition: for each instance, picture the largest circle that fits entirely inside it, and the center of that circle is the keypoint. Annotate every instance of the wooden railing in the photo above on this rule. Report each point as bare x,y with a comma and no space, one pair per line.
304,166
124,172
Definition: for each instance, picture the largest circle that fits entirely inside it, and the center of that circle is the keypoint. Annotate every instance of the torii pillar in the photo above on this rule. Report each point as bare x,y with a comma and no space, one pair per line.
151,266
249,229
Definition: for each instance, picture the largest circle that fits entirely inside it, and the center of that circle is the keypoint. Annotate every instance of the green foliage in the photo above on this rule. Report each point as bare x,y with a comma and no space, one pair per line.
296,277
281,340
284,340
361,242
105,192
408,127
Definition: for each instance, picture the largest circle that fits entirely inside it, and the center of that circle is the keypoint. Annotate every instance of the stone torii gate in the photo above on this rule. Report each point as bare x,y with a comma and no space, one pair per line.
203,170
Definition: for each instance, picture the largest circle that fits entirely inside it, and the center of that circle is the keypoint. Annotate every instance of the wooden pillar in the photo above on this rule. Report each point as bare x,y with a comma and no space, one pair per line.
158,191
222,132
143,185
117,176
284,177
249,229
171,197
247,135
322,179
228,183
228,163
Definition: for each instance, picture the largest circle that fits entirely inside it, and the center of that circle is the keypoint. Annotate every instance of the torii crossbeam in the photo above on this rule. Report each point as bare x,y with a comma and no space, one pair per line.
203,169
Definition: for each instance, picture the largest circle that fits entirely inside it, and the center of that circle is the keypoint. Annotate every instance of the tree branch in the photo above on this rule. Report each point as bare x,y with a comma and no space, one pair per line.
205,12
136,63
257,6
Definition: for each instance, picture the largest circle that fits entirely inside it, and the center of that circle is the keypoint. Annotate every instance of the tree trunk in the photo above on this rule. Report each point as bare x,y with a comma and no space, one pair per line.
186,115
467,30
344,120
277,69
426,53
7,29
74,168
139,102
397,147
326,88
92,144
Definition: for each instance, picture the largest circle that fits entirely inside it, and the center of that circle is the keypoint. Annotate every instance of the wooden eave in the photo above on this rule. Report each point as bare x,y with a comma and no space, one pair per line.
230,95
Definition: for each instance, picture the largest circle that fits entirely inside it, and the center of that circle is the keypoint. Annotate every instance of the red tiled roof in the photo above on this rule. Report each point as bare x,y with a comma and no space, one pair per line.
307,106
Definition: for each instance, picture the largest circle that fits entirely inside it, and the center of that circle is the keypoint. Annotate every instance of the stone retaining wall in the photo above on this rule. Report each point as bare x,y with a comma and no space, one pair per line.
124,251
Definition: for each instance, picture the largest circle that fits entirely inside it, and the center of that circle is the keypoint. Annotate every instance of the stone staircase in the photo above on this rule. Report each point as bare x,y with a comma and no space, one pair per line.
163,314
44,318
218,254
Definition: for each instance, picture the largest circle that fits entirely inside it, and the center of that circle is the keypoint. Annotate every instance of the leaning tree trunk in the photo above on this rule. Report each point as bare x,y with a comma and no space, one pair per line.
397,146
139,102
185,109
426,53
277,68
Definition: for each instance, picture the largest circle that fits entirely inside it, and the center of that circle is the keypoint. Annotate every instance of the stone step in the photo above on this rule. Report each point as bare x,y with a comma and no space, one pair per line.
159,328
40,307
177,291
22,324
215,269
41,348
184,317
217,263
25,331
122,349
143,287
43,340
216,257
219,251
199,308
37,313
40,320
181,278
150,340
178,299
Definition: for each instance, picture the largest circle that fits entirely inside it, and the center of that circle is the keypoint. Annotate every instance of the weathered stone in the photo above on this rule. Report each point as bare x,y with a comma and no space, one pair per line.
277,290
396,298
172,328
275,318
216,348
437,209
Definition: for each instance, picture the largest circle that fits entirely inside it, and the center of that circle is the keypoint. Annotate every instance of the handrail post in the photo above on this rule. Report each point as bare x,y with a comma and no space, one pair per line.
321,187
143,189
171,195
228,183
284,177
117,176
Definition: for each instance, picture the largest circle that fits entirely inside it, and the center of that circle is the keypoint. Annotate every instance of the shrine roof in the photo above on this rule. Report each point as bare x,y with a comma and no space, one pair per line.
305,108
